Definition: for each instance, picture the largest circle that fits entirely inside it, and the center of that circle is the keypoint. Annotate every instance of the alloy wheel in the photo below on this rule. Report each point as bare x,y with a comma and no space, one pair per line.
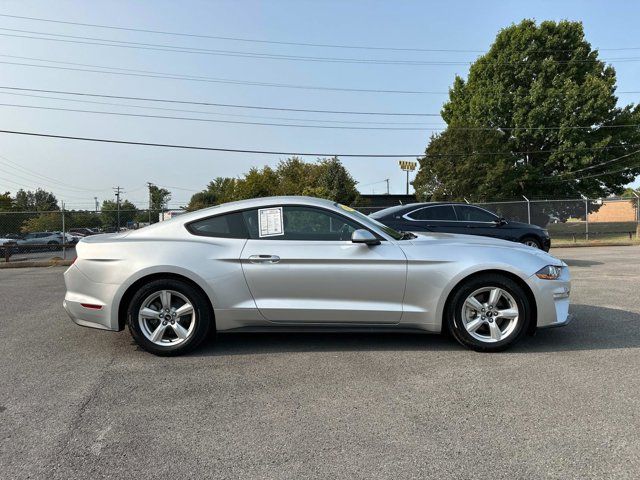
167,318
490,314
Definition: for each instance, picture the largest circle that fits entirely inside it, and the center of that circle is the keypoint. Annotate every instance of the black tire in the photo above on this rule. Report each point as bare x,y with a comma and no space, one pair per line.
532,241
203,317
453,313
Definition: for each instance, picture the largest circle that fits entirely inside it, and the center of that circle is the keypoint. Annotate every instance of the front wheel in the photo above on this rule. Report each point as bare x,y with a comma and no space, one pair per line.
169,317
488,313
532,242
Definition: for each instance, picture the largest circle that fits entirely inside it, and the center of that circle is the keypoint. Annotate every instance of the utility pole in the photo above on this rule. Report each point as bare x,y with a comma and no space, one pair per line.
149,184
387,180
96,200
118,191
64,236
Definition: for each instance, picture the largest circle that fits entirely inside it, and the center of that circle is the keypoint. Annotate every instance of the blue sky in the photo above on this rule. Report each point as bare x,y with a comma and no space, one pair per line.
78,171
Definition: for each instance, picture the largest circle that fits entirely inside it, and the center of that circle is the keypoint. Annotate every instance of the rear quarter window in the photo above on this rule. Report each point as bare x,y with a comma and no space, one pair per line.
437,212
231,225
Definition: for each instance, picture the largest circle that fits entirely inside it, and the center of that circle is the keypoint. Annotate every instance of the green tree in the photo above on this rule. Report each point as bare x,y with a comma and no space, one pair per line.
6,202
258,183
629,192
109,213
219,190
544,106
334,182
327,178
159,197
38,201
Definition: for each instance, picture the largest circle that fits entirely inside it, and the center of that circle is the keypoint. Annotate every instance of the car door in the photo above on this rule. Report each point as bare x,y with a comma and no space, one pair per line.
432,218
311,273
473,220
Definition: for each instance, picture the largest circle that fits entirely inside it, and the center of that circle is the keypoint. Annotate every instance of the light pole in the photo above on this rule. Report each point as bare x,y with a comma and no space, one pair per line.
407,166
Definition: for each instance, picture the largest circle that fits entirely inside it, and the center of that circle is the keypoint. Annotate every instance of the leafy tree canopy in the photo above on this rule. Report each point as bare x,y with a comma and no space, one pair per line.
159,197
109,213
326,178
543,105
6,201
38,201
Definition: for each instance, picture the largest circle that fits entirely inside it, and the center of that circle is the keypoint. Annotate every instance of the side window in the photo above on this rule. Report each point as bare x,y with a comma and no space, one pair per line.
304,223
230,225
467,213
437,212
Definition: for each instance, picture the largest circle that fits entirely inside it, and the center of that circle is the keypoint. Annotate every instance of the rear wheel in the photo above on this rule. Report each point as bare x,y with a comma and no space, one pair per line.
488,313
169,317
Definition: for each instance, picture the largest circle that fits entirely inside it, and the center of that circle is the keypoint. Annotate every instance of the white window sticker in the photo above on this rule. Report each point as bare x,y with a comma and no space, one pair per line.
270,222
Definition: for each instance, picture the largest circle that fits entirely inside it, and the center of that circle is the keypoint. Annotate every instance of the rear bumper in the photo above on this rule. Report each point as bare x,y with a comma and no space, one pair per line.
88,303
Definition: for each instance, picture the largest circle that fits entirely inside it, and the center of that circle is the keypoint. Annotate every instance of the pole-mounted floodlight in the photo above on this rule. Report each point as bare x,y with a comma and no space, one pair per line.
407,166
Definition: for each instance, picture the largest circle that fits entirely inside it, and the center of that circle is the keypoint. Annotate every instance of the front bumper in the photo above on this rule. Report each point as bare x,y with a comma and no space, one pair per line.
566,321
552,300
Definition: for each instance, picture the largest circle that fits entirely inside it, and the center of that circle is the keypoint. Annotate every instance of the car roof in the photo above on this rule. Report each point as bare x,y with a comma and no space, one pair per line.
241,205
409,207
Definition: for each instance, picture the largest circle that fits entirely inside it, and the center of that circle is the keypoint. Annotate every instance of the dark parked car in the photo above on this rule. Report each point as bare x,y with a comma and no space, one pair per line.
461,218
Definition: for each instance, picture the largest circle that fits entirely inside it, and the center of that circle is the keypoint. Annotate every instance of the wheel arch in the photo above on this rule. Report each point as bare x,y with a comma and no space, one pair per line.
533,315
131,290
532,236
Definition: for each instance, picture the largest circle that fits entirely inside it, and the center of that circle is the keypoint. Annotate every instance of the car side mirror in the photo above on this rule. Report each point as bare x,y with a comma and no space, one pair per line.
501,221
364,236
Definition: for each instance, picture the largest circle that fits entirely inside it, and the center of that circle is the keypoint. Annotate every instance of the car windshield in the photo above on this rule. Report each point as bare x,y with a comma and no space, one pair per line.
370,222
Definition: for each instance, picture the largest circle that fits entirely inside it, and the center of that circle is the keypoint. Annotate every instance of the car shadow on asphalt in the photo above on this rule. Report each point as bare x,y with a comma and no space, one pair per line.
594,328
575,262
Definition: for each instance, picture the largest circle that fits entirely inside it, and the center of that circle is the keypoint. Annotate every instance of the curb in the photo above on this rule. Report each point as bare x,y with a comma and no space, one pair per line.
37,263
583,245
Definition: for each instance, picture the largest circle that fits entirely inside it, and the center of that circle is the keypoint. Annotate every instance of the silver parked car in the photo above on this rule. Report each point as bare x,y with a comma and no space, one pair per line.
300,263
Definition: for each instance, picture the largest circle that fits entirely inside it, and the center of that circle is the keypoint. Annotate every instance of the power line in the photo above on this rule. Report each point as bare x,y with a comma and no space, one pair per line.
271,42
105,42
594,175
602,163
211,149
213,120
127,105
224,53
40,177
226,105
297,154
194,78
333,127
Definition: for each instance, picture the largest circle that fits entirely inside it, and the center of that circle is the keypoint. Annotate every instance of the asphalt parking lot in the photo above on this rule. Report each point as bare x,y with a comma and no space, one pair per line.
80,403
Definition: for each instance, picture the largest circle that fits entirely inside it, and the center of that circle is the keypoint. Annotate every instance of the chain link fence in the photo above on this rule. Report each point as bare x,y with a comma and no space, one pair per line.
47,235
26,236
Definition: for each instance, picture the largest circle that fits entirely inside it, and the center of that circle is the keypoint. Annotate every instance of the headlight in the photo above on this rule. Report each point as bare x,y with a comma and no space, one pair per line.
550,272
545,233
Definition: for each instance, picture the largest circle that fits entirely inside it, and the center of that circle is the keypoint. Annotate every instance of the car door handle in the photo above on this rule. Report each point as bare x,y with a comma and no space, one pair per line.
264,259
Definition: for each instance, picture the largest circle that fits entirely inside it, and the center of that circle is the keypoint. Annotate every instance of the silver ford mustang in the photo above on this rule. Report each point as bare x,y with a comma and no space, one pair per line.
300,263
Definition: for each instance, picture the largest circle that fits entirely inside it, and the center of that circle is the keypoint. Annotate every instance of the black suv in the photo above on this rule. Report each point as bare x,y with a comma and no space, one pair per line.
461,218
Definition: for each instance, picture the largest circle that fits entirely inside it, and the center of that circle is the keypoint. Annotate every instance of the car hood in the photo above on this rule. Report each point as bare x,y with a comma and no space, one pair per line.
524,225
459,240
